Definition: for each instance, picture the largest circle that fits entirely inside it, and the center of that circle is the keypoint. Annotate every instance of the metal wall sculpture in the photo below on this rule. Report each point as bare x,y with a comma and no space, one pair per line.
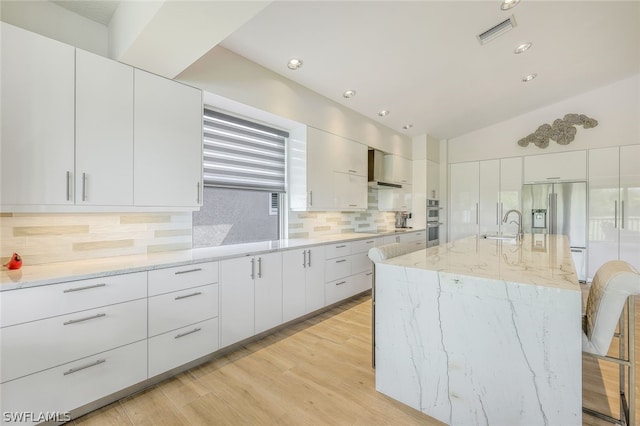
563,131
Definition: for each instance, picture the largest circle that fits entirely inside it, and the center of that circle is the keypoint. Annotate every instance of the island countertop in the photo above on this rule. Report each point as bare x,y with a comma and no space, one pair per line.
538,259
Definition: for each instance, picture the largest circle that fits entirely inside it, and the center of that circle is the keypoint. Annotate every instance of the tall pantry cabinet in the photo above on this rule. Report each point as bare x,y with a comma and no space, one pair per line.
481,192
614,206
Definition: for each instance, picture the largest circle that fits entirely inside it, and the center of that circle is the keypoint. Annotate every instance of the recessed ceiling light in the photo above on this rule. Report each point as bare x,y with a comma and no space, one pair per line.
383,113
508,4
529,77
294,63
522,48
407,126
349,94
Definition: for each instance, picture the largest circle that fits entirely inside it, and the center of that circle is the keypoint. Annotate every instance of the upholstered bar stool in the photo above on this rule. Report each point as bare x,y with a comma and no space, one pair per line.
613,287
378,254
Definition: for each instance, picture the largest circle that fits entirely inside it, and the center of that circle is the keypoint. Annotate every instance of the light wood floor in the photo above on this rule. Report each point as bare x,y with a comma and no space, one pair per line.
314,373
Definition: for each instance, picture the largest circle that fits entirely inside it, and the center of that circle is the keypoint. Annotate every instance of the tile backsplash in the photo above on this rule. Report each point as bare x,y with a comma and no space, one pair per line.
57,237
316,224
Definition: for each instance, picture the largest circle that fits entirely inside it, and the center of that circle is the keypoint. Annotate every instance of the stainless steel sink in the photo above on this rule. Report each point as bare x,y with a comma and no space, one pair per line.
506,237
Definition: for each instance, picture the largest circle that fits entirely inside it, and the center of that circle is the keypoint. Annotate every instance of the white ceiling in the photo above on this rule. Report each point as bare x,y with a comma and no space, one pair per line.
421,59
100,11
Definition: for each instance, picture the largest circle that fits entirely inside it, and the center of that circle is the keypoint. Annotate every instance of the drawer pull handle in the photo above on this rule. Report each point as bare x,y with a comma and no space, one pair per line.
341,260
188,271
197,293
186,333
369,242
369,273
84,367
341,246
73,321
341,282
69,290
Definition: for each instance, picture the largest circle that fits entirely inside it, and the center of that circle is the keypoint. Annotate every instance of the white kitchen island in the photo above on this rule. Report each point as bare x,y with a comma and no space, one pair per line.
482,332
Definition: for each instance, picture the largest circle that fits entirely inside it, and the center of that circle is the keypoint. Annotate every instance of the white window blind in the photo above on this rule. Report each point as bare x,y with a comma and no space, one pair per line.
242,154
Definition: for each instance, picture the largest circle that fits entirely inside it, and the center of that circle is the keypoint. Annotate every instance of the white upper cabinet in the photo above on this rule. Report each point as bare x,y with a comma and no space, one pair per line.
433,180
562,166
397,169
37,119
104,131
335,169
168,142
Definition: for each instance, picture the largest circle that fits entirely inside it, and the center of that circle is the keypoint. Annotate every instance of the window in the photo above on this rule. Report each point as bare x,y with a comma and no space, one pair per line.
244,178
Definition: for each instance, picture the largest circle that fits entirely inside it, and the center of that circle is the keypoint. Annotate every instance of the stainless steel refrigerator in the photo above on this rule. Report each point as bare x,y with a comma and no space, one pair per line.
559,208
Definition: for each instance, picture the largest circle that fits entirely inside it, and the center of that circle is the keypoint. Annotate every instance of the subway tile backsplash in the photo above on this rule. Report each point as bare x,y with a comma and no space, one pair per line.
58,237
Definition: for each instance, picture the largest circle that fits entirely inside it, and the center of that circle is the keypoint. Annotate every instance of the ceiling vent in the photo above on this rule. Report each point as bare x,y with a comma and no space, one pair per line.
497,30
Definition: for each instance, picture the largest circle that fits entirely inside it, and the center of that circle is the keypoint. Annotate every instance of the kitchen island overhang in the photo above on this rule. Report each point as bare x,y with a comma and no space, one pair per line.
482,331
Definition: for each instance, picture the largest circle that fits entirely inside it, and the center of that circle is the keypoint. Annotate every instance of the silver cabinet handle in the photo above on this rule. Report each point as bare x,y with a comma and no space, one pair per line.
341,282
353,171
75,321
84,187
259,267
341,260
622,214
477,213
554,177
369,242
310,198
253,268
615,214
341,246
84,367
197,293
186,333
369,274
187,271
309,259
497,213
198,193
304,258
68,186
87,287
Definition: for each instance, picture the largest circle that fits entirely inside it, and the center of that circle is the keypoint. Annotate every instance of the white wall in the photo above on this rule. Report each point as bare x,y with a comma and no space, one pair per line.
50,20
229,75
616,107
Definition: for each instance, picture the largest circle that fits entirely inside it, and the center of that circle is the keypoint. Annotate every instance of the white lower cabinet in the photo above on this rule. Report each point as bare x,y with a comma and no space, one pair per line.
178,347
72,385
302,282
250,296
338,290
72,336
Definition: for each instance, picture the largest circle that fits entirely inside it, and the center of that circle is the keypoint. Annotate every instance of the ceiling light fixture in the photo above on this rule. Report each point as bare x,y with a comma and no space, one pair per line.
522,48
294,63
383,113
407,126
529,77
509,4
349,94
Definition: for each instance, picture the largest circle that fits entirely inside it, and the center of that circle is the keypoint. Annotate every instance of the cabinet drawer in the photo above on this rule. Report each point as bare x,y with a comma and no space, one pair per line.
75,384
361,263
180,308
38,345
362,246
337,268
181,277
178,347
338,290
413,236
362,282
337,250
36,303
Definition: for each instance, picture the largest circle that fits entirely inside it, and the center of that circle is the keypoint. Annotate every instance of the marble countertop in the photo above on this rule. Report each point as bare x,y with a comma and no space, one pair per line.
542,260
52,273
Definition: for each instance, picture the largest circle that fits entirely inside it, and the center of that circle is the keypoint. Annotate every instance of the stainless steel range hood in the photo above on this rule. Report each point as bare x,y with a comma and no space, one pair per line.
376,171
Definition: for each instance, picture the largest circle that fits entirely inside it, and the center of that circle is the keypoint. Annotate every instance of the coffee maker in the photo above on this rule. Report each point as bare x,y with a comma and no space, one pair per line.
401,219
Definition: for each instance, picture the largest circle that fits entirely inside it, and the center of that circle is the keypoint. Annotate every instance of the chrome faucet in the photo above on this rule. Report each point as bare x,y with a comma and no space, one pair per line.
506,216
